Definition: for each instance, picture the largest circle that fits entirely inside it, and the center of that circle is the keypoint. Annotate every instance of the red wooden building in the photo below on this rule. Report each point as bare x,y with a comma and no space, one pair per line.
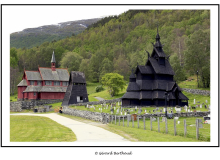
46,83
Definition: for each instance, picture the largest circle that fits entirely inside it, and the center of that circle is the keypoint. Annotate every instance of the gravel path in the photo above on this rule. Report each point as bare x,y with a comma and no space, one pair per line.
99,98
84,132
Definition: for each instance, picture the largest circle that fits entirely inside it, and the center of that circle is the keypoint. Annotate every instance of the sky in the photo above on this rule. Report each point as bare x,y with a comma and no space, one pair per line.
22,17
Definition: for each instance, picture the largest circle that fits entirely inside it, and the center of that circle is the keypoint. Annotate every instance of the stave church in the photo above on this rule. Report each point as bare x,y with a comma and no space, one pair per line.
153,83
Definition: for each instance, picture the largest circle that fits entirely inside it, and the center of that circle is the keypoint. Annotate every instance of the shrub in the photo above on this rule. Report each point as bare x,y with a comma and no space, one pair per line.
99,88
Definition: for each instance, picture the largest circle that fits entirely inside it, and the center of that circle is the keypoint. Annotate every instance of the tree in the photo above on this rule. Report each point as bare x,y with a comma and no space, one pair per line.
178,69
106,67
71,60
121,66
197,56
84,67
114,81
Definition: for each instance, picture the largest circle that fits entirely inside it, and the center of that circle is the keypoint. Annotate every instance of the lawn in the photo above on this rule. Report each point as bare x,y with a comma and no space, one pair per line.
191,82
38,129
13,98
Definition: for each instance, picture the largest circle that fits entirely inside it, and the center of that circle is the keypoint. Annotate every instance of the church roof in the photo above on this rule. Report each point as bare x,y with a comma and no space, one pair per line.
22,83
132,86
132,75
33,88
182,96
131,95
33,75
77,77
145,69
159,52
161,69
58,75
53,89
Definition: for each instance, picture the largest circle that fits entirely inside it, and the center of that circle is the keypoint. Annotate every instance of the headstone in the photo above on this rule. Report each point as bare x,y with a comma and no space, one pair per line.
145,111
193,107
171,111
176,118
153,119
153,110
164,109
200,105
194,101
125,113
112,111
121,113
139,111
163,119
117,111
206,101
205,107
178,122
161,110
188,110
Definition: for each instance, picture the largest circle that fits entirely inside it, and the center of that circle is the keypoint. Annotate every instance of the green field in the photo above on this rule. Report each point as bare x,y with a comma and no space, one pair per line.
38,129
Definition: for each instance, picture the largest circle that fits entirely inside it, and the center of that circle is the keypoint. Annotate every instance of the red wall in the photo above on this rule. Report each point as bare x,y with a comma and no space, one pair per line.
52,95
31,95
20,91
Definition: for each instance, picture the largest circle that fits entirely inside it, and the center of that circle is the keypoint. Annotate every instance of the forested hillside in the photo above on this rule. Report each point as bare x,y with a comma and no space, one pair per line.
32,37
119,43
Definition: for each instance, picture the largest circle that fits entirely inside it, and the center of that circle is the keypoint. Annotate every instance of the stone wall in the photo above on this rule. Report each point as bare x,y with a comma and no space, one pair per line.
96,116
98,102
30,104
196,91
105,117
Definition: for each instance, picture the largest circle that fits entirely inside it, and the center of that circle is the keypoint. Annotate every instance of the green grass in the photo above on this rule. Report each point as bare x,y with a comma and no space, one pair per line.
13,98
191,82
140,135
199,98
38,129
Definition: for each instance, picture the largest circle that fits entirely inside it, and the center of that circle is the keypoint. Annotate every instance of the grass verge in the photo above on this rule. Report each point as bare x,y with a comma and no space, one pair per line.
38,129
135,134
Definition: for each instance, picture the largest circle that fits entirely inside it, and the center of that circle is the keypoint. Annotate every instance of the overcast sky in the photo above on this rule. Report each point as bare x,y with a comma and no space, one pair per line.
21,17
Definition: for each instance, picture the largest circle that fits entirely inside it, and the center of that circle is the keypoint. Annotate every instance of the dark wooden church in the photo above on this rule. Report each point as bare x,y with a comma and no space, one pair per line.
76,91
149,83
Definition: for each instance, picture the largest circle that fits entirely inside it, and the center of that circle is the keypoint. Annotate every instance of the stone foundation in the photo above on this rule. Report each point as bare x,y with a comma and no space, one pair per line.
196,91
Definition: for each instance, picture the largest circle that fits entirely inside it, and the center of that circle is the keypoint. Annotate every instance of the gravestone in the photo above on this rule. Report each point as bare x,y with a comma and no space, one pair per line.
139,111
117,111
193,107
136,108
205,107
157,109
176,118
112,111
163,119
188,110
164,109
153,111
171,111
153,119
200,105
206,101
161,110
194,101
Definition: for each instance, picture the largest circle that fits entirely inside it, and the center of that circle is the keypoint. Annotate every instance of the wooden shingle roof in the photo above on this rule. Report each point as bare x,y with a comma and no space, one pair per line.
58,75
131,95
77,77
132,86
53,89
161,69
22,83
145,69
33,75
33,88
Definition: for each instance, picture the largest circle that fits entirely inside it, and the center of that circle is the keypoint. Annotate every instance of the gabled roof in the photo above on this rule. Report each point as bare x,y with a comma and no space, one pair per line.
182,96
58,75
33,88
161,69
77,77
131,95
132,86
132,75
159,52
161,95
146,95
53,89
22,83
33,75
145,69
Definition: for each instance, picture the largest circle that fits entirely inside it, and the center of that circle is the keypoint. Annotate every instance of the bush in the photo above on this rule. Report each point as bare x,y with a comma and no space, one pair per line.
99,88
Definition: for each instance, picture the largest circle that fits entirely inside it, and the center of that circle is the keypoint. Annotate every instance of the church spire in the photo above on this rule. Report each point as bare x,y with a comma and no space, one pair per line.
53,58
53,61
158,44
